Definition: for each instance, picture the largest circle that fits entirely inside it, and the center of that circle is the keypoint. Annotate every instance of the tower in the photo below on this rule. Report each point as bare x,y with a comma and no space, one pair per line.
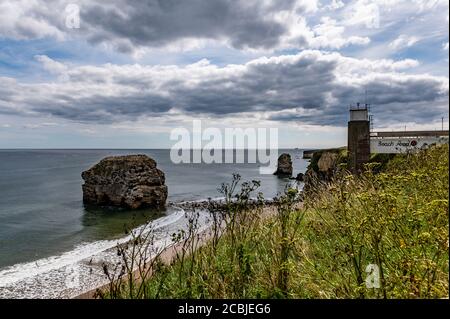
358,137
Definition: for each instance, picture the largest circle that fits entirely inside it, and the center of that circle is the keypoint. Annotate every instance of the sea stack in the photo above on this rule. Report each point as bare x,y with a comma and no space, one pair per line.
284,167
131,181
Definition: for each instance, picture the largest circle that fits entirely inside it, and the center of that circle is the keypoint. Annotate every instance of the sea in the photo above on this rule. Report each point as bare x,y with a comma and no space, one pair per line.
51,246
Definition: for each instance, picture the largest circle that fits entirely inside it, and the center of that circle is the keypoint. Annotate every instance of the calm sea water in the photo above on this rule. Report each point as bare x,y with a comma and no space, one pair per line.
41,209
42,214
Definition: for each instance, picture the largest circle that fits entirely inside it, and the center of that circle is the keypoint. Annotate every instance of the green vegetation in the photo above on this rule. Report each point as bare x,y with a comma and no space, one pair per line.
395,220
382,160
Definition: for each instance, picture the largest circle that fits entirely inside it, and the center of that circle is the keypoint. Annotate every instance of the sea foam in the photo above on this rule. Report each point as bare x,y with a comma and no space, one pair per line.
79,270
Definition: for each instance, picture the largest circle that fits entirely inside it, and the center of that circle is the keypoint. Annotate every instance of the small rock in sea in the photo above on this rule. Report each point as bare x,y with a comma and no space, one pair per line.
284,167
131,181
299,177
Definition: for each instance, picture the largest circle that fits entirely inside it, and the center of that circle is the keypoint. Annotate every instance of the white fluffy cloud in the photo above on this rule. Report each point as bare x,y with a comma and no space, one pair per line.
51,65
364,12
403,41
30,19
329,34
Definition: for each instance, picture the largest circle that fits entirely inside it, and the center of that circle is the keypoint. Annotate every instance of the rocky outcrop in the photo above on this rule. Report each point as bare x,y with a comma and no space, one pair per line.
323,167
284,167
217,204
327,162
300,177
131,181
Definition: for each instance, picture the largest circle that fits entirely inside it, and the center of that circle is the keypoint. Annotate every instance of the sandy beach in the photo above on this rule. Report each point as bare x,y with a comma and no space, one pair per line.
169,253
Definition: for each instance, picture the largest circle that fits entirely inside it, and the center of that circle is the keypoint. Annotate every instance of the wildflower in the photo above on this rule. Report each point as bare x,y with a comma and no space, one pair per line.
424,237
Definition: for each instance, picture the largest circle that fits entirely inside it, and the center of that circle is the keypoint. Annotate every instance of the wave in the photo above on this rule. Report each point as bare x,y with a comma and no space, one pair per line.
51,277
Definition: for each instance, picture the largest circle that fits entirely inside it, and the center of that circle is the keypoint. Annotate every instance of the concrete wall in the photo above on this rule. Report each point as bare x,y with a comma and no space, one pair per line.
358,144
359,115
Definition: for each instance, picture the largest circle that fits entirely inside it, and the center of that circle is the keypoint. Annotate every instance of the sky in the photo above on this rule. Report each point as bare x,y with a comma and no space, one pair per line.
126,73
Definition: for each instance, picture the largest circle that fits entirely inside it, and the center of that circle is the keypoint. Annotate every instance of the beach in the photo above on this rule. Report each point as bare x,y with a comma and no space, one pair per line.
169,253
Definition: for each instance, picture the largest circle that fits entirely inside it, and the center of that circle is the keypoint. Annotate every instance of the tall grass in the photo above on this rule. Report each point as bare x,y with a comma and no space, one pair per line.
391,226
396,220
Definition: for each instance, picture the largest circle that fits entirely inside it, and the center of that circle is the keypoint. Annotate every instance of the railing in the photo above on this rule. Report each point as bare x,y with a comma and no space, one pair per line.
409,134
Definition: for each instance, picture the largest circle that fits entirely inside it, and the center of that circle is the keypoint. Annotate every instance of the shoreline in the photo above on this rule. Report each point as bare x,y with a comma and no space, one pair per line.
75,271
168,254
51,277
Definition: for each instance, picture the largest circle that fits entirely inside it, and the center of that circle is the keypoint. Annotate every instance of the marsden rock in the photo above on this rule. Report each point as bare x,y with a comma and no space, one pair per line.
131,181
284,167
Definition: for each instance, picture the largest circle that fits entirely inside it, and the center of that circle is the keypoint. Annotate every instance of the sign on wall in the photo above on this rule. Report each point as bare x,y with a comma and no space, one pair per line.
397,145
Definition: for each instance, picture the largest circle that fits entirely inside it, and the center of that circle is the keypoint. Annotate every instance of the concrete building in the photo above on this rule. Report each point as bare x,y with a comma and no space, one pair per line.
358,138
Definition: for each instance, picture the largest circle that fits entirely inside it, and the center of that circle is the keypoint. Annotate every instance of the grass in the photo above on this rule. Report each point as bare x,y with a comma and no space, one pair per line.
388,230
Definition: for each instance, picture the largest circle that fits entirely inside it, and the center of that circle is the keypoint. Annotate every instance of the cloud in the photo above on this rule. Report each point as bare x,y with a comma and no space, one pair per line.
132,26
330,34
403,41
38,125
364,12
30,19
136,27
334,5
311,87
51,65
155,23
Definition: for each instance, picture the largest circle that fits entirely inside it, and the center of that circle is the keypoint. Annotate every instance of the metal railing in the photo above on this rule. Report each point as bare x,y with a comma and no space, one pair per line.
409,133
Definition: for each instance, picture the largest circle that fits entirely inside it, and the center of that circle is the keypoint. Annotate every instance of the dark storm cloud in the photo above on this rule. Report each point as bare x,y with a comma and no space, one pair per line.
154,23
128,25
392,99
387,89
262,87
105,109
